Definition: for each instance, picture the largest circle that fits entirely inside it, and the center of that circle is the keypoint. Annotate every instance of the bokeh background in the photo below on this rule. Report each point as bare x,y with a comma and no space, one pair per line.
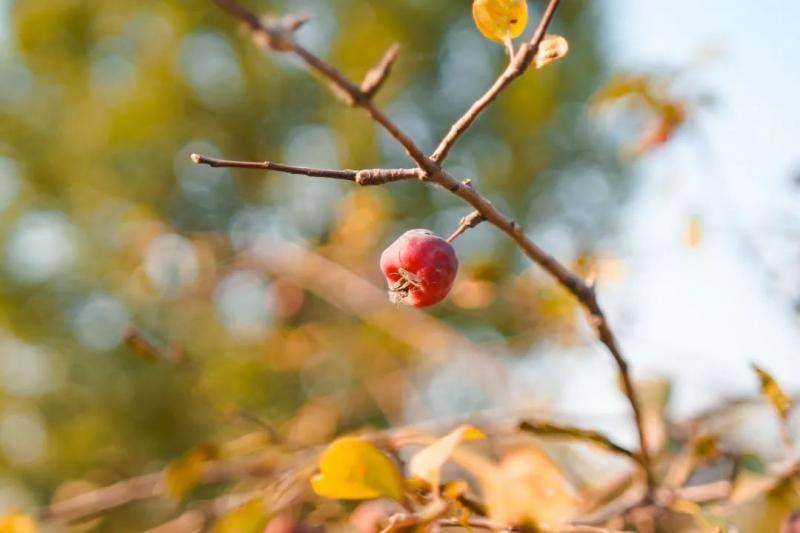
660,154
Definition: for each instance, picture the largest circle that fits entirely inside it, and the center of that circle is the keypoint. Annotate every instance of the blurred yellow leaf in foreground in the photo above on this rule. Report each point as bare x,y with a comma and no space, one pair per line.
354,469
17,523
528,488
427,463
249,518
183,474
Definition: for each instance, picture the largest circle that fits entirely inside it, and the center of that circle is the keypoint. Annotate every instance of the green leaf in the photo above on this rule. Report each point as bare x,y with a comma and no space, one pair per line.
752,463
352,468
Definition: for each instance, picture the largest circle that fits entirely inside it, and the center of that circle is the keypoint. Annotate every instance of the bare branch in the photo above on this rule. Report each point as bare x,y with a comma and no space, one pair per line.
272,38
584,293
377,76
147,487
275,39
485,523
378,176
517,66
547,429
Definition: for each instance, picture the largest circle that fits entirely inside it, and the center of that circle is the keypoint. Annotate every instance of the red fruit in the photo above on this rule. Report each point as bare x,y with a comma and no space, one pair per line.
420,268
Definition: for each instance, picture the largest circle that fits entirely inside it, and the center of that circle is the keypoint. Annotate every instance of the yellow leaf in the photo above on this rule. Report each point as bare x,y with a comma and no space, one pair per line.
500,20
427,463
354,469
773,392
17,523
183,474
249,518
528,488
552,48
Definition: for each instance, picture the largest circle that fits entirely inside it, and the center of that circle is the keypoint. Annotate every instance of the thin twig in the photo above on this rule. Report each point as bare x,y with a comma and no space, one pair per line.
272,38
595,438
468,222
377,76
150,486
491,525
517,66
378,176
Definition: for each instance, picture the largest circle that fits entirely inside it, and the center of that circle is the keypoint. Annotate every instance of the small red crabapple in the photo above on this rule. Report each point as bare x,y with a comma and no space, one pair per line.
420,268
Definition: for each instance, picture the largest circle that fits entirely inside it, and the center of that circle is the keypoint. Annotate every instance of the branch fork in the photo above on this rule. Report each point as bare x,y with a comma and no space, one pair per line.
430,169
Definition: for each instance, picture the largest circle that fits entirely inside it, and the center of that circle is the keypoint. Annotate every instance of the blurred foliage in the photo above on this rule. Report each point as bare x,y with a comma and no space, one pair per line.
109,233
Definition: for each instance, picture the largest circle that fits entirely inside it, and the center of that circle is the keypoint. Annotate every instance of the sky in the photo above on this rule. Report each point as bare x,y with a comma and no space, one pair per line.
701,315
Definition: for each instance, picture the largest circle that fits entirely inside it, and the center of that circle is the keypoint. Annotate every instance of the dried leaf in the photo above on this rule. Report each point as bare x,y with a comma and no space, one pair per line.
528,488
623,86
17,523
183,474
500,20
249,518
705,448
773,392
544,429
552,48
427,463
694,232
352,468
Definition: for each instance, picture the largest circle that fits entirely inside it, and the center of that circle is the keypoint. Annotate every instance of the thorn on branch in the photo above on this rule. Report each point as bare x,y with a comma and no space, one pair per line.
375,78
276,32
293,21
468,222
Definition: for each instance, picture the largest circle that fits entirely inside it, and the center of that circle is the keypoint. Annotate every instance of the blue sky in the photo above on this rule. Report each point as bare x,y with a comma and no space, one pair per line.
700,316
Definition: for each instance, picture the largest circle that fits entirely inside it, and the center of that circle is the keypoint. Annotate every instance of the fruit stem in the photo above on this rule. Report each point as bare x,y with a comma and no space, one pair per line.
457,233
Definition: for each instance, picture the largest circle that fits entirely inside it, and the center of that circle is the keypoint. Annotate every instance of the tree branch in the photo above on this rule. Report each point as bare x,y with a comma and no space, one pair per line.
147,487
275,38
376,77
377,176
517,66
547,429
